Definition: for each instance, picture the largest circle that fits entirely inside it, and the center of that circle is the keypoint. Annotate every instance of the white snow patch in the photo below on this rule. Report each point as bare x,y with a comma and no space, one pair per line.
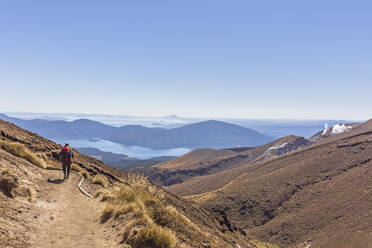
340,128
283,145
277,146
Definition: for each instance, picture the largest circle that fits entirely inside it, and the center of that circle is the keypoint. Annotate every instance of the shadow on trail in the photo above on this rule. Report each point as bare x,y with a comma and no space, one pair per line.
55,181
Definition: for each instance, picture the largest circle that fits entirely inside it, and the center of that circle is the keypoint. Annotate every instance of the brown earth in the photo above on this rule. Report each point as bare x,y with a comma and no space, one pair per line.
59,215
204,170
316,196
68,218
321,194
56,214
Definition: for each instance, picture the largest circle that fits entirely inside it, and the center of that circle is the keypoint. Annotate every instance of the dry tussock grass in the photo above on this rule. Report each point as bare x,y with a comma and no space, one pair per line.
100,180
85,173
76,168
156,224
4,171
20,150
30,193
143,232
155,236
107,212
82,171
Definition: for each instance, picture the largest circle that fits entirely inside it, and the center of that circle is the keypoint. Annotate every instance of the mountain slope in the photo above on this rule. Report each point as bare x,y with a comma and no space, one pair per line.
195,158
316,196
220,134
212,134
320,194
35,202
203,170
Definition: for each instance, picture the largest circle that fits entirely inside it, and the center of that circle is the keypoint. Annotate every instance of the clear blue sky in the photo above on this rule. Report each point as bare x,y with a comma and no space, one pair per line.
308,59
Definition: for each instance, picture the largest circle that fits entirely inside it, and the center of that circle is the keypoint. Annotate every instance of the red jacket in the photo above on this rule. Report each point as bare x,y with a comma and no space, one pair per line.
66,154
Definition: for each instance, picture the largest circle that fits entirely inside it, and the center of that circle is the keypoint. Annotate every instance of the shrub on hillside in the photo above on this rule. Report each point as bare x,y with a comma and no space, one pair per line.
20,150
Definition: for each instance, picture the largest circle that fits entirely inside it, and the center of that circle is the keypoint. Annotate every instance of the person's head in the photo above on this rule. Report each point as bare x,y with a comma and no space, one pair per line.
67,145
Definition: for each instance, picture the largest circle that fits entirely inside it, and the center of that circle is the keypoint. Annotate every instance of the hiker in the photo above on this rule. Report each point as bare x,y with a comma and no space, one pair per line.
66,156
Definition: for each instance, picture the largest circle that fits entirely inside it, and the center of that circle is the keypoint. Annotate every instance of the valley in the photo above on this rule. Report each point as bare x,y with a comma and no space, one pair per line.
186,124
287,192
39,209
291,192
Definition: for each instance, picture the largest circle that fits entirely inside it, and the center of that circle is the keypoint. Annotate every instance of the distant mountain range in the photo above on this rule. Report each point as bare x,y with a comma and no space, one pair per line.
211,134
122,161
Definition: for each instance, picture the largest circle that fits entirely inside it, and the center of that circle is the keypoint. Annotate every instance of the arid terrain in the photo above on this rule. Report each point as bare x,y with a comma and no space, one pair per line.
189,172
39,209
288,193
316,194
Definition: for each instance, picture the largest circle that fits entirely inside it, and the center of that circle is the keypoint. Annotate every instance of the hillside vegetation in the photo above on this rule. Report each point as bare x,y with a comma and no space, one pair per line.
134,212
190,173
317,196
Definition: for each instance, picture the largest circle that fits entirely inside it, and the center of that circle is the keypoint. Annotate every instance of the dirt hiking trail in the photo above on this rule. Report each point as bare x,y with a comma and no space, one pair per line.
68,218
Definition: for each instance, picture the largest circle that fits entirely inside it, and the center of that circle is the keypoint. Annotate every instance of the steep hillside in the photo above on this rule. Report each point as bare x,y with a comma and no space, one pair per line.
195,158
319,196
193,173
208,134
39,209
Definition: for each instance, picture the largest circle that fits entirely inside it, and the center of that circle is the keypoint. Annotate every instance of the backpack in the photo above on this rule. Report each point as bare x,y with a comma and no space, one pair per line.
66,154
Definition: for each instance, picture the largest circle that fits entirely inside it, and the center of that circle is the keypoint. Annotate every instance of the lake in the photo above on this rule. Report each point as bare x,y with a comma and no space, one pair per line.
131,151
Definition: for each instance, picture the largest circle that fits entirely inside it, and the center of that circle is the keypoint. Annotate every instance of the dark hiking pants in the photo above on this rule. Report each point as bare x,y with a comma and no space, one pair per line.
66,166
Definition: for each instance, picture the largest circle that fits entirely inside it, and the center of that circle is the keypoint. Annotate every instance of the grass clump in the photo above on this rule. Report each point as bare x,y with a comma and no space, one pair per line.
153,223
155,236
136,208
101,192
20,150
85,174
30,193
170,217
4,171
81,171
100,180
76,168
107,212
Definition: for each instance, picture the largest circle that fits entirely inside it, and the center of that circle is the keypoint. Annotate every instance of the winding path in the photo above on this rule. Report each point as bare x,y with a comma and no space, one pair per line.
69,218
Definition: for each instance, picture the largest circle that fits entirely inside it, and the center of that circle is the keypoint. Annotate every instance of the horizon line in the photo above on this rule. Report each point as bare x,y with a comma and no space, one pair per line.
183,117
